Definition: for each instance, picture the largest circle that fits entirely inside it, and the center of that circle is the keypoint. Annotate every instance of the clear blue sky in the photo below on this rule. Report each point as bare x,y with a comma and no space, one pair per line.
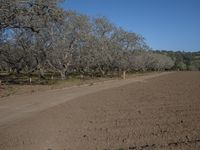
166,24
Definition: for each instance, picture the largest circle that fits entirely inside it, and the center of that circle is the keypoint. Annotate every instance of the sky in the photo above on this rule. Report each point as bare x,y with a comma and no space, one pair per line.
165,24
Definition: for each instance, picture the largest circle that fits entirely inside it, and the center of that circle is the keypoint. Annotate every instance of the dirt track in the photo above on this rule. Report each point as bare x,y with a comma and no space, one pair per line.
160,113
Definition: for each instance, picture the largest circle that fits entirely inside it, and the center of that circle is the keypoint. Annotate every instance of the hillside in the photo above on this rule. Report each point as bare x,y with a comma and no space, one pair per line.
183,60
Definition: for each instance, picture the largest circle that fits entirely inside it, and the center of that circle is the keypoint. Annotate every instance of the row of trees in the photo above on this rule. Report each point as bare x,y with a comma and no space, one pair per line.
183,60
39,36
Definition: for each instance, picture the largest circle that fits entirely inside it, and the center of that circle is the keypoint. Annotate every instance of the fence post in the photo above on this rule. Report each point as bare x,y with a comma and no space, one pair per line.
30,80
124,75
52,77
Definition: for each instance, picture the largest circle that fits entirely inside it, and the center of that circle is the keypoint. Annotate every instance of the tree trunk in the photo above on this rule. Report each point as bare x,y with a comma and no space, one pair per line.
41,73
101,71
63,75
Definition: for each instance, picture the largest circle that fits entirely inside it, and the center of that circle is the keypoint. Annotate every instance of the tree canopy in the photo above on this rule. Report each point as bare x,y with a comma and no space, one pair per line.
39,36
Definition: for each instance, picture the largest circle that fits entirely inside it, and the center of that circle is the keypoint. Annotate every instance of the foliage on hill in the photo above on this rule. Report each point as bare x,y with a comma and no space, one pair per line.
183,60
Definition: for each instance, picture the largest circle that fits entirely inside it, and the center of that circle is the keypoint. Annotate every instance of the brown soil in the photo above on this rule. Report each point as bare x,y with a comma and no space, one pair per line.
155,112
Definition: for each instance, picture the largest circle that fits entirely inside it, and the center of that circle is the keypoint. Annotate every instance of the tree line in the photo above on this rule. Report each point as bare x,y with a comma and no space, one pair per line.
188,61
39,36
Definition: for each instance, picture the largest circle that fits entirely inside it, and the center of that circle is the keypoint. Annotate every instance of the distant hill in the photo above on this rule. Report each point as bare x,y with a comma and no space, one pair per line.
183,60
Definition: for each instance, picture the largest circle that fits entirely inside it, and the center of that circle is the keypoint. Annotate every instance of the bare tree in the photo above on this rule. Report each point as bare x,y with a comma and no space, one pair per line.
67,41
37,35
31,14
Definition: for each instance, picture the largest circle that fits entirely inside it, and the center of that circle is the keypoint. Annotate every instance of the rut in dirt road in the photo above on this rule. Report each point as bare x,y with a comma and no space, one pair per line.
161,113
21,106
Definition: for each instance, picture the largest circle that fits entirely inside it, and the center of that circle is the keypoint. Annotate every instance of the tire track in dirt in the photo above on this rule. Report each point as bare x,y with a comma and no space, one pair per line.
168,145
20,106
161,114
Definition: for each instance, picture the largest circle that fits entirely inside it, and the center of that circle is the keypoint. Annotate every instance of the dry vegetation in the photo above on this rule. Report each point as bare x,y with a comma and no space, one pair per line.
21,85
38,37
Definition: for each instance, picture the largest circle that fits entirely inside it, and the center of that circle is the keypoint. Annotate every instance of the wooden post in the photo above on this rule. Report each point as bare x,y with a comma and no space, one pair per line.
124,75
30,80
82,77
52,77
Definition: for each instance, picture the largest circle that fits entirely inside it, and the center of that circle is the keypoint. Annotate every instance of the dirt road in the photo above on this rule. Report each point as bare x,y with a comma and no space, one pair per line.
159,111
